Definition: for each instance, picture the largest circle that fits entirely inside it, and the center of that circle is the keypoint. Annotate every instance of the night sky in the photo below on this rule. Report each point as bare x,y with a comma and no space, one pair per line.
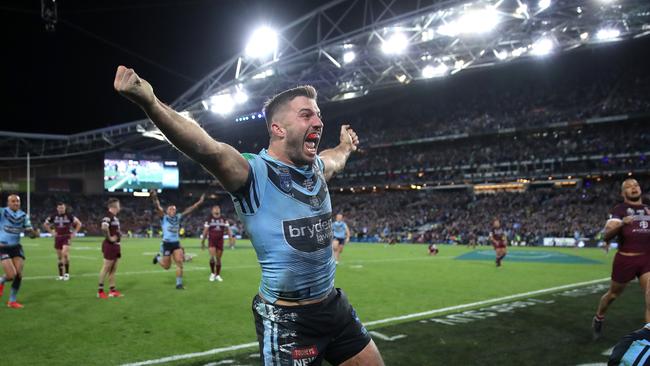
62,82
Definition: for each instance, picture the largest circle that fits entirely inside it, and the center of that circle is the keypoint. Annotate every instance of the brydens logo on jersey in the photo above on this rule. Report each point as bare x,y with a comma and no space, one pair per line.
309,234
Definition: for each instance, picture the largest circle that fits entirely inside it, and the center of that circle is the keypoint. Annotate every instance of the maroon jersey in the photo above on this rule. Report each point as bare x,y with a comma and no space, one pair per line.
635,236
499,236
61,223
217,227
113,225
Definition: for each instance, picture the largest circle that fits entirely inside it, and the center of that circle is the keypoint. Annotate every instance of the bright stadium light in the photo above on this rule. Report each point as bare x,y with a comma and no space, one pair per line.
263,74
221,104
427,35
472,22
262,43
241,97
542,47
543,4
348,57
607,34
519,51
431,71
501,55
395,44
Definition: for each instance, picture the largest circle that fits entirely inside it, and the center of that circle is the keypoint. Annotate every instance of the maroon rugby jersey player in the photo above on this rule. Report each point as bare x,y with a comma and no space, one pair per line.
111,249
215,227
63,226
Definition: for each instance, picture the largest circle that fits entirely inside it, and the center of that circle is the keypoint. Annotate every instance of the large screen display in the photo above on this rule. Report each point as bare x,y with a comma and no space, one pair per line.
124,175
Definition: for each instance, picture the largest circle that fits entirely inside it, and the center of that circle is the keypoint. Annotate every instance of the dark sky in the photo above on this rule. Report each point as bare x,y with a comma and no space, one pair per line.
61,82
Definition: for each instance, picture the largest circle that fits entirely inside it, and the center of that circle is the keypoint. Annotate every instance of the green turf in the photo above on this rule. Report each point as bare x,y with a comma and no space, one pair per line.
546,256
63,323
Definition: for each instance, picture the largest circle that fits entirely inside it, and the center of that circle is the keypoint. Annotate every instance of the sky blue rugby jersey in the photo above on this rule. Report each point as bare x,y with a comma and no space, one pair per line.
339,228
12,224
288,214
170,227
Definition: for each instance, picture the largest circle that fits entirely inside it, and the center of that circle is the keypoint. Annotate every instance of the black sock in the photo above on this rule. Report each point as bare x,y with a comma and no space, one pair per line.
112,288
60,269
212,264
67,268
100,288
16,283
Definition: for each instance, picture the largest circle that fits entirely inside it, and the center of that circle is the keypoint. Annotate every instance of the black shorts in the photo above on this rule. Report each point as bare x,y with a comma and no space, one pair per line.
169,247
7,252
341,241
306,335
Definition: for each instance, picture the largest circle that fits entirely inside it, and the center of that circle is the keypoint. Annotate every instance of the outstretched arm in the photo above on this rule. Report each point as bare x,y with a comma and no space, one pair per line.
198,203
335,159
220,159
156,204
614,226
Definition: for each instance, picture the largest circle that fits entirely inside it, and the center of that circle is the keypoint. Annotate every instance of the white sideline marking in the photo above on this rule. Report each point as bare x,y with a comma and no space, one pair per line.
376,322
385,337
483,302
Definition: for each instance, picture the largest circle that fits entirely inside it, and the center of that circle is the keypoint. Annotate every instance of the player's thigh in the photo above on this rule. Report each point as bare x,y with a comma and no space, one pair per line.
9,268
108,264
335,244
644,281
18,264
369,356
65,251
219,253
178,256
616,288
213,251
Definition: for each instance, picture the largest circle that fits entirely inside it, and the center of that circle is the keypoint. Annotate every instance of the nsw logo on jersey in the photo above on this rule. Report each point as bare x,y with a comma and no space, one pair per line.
285,179
309,234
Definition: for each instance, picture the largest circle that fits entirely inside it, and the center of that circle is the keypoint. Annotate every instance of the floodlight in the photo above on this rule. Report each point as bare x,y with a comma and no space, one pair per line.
543,4
542,47
262,43
431,71
221,104
395,44
607,34
348,57
472,22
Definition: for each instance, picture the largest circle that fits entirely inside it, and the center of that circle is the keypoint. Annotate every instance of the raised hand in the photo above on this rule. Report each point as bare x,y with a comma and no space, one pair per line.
349,138
133,88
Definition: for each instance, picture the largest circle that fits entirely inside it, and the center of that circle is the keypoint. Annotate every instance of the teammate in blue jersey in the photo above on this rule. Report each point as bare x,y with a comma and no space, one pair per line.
170,221
13,222
341,233
281,196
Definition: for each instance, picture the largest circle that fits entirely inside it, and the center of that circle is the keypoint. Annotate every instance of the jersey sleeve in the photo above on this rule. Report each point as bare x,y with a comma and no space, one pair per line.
617,213
106,222
48,220
247,199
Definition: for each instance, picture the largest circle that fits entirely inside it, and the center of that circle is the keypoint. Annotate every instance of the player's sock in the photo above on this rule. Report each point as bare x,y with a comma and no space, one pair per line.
100,287
212,265
67,268
60,265
112,288
218,266
15,286
179,281
599,318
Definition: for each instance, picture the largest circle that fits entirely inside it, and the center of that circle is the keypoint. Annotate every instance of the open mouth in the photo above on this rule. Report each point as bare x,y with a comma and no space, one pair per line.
311,142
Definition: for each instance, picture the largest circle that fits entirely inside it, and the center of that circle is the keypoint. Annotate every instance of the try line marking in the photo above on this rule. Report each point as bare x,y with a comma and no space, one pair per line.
377,322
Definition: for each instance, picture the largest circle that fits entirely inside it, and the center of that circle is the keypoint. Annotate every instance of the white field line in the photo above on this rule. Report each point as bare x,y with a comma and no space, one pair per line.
376,322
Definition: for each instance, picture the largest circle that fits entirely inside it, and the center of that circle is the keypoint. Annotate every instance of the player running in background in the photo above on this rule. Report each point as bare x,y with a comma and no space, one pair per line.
281,196
341,234
13,222
499,241
111,249
170,221
629,222
214,229
63,226
433,249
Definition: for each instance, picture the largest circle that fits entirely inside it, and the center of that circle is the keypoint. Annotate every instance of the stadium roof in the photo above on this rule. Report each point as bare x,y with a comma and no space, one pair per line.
349,48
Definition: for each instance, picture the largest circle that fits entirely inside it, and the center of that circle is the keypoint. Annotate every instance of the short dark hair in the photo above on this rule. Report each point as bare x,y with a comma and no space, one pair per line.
278,101
60,203
112,201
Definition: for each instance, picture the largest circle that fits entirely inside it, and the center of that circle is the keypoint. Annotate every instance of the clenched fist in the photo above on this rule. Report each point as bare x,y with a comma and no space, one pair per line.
133,87
349,138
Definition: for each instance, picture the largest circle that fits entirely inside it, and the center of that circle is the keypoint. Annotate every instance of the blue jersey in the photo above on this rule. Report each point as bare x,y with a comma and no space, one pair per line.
12,224
340,229
288,214
170,226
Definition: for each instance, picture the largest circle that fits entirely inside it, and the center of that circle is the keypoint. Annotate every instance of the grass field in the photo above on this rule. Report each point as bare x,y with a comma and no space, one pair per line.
546,297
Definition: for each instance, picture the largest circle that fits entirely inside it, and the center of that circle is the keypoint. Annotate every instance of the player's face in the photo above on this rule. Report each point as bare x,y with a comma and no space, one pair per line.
304,127
339,217
171,210
116,206
13,202
216,211
631,190
60,209
496,224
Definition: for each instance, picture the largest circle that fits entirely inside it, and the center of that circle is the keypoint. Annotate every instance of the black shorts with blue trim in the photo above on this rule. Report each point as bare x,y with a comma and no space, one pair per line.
169,247
308,334
341,241
8,252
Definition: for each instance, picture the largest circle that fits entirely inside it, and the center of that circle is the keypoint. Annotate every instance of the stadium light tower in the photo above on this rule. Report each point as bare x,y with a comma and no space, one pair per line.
543,4
542,47
607,34
395,44
431,71
221,104
475,21
348,57
262,43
